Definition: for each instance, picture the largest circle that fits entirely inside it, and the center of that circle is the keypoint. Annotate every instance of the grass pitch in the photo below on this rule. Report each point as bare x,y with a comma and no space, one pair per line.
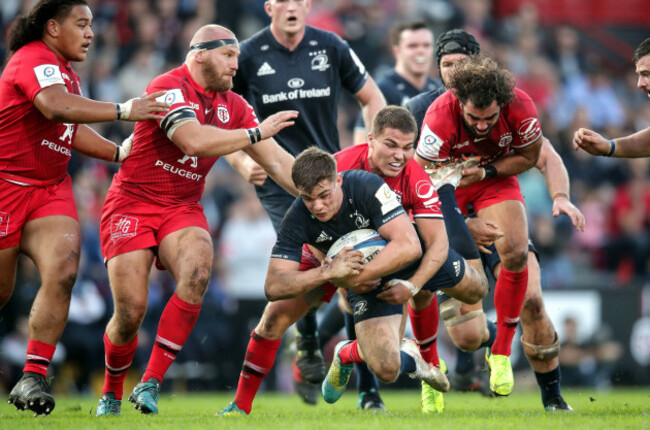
618,409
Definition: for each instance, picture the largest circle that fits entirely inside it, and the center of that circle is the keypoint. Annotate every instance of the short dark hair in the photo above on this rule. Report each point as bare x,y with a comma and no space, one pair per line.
642,50
400,27
479,79
456,41
312,166
396,117
29,28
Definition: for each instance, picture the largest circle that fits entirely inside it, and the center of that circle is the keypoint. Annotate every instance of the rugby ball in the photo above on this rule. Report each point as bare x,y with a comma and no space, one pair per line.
366,240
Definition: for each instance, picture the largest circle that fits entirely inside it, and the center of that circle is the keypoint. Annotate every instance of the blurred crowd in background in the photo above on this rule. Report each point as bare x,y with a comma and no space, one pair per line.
575,83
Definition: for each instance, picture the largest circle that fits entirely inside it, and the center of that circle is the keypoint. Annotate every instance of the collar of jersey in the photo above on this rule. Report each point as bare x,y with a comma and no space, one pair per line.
272,40
61,59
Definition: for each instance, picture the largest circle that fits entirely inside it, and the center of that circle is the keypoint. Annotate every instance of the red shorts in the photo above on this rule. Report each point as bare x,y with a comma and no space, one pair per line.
20,204
129,224
488,192
309,261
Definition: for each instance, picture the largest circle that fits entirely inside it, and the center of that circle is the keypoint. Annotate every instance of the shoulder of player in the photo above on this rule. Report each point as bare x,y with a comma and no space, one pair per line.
350,155
521,106
324,38
252,45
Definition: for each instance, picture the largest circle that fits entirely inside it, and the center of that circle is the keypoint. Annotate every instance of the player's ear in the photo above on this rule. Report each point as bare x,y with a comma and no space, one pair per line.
52,27
267,7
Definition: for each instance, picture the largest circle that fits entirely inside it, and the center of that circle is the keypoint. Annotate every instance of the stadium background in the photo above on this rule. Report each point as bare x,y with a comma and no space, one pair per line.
572,57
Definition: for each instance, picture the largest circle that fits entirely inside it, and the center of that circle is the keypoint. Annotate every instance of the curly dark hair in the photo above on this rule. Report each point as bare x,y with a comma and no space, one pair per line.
29,28
479,79
642,50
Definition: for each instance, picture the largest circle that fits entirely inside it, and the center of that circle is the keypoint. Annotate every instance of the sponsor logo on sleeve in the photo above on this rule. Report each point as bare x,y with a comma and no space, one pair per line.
123,226
172,97
4,223
386,198
430,144
529,130
48,74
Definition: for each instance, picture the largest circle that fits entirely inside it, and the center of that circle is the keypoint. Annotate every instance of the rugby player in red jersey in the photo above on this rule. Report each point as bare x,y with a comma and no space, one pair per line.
485,115
42,119
152,210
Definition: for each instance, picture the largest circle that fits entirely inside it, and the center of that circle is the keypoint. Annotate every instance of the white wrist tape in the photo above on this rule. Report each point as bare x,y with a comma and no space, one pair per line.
124,110
410,285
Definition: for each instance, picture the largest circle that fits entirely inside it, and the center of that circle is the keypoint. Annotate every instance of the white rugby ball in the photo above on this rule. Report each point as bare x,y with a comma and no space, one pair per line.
366,240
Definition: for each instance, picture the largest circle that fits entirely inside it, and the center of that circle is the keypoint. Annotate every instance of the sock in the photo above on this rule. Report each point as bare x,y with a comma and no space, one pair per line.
175,326
549,384
459,235
118,359
39,355
260,356
508,298
464,362
492,329
350,353
425,329
307,325
365,378
331,323
407,363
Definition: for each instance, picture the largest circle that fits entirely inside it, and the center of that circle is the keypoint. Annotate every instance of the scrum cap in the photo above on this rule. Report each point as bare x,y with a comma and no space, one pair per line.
456,42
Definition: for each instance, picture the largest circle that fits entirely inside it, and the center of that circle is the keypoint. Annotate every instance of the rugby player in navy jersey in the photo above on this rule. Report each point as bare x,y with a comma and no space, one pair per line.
331,205
412,46
289,65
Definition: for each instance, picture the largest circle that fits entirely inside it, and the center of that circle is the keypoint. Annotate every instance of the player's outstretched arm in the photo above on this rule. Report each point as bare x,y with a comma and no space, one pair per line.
57,104
275,161
371,100
198,140
284,280
557,181
636,145
247,168
88,142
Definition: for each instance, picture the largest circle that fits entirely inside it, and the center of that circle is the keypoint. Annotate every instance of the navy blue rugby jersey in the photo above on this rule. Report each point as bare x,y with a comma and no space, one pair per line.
368,202
398,91
308,79
418,106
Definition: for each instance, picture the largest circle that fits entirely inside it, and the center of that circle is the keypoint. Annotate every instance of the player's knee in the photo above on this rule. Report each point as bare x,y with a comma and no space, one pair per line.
514,260
197,283
474,286
541,352
6,290
128,317
274,322
533,309
386,371
470,341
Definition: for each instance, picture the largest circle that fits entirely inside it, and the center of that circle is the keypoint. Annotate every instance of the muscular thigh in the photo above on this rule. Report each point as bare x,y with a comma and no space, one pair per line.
186,252
54,243
510,215
379,338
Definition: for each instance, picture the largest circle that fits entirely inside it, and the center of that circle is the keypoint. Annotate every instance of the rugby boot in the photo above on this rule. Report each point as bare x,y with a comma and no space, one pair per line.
109,405
475,381
338,376
309,393
432,401
231,410
502,380
423,370
449,171
32,392
558,405
309,359
370,401
145,396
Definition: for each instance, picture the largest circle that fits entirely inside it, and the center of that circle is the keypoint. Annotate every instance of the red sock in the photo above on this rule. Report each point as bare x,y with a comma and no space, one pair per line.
118,360
508,297
425,329
260,356
39,355
175,326
350,353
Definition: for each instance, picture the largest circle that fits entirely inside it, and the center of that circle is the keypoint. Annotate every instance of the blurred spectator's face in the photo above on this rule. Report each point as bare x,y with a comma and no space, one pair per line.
447,64
643,70
74,34
415,51
288,16
480,122
218,68
390,151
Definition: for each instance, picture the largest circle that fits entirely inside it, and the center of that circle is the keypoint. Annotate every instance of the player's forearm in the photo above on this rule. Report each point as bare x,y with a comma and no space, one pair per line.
71,108
275,161
555,175
432,260
518,161
90,143
395,256
209,141
281,285
636,145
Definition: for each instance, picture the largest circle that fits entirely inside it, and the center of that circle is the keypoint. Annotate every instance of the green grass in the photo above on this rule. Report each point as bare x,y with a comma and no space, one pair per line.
617,409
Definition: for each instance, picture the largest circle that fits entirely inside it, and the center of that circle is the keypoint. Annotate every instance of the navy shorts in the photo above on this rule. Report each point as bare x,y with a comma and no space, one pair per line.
450,273
367,306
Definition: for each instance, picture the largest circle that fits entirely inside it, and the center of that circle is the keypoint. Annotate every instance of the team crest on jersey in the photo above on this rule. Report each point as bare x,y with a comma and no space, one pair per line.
265,69
359,220
4,223
123,226
48,74
223,114
320,61
505,140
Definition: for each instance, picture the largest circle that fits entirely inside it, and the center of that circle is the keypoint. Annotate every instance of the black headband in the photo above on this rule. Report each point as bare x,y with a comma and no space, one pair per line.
212,44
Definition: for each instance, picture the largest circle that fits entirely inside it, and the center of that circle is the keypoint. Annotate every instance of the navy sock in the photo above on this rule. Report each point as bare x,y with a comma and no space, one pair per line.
460,238
307,325
464,362
331,323
407,363
549,384
365,379
492,329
